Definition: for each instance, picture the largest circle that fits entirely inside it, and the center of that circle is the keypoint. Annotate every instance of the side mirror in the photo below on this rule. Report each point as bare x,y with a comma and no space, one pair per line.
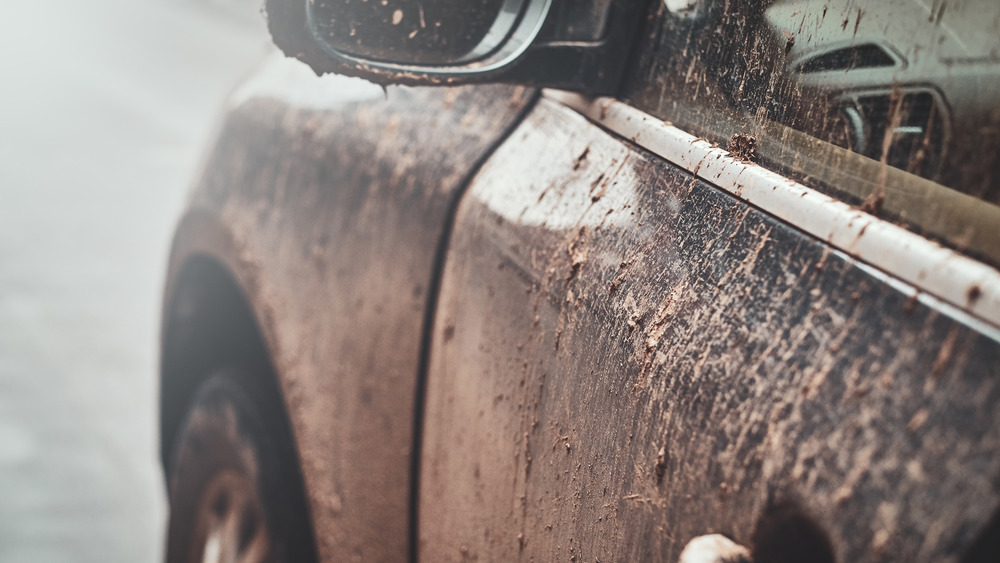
578,45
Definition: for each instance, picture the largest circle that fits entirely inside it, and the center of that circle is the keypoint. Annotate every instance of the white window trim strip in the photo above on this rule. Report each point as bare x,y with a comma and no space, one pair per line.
963,282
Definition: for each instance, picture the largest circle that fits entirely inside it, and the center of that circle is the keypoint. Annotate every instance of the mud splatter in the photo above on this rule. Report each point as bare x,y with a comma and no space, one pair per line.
577,252
742,147
873,203
658,326
661,464
945,353
580,159
619,277
973,295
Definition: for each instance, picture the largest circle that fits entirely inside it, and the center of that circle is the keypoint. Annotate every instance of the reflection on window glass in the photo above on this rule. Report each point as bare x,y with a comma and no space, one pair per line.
848,58
409,31
893,105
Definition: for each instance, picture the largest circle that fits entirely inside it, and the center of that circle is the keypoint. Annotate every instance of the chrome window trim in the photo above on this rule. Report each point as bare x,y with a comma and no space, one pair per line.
953,278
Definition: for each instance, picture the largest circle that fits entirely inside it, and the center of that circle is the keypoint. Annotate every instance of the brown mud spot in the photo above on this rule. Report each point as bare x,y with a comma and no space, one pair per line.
974,293
579,160
873,203
661,464
742,147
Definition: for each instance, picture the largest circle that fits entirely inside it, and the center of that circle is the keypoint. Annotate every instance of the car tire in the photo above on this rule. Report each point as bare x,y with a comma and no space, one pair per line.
235,489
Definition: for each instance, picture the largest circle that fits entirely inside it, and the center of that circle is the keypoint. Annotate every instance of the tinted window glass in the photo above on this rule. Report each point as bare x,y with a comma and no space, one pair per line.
893,105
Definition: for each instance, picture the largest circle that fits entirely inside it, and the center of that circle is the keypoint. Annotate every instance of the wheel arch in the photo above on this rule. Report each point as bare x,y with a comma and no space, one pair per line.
208,325
212,322
209,322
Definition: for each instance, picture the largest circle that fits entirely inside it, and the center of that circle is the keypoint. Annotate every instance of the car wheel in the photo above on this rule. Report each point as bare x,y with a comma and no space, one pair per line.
235,488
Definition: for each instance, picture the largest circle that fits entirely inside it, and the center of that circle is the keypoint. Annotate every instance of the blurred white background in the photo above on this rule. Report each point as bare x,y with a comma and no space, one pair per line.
105,109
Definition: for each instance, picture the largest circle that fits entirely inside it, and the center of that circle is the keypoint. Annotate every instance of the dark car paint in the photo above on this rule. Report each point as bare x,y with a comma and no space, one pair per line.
326,222
636,358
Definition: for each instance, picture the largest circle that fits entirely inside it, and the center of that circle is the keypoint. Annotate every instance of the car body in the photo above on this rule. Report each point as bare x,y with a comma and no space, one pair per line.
514,324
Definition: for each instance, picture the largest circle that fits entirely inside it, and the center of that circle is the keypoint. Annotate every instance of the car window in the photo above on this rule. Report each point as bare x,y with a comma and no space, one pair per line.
890,105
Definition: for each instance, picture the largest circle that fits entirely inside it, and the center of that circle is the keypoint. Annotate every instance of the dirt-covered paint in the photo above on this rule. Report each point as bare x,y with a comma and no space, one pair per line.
964,282
329,220
618,376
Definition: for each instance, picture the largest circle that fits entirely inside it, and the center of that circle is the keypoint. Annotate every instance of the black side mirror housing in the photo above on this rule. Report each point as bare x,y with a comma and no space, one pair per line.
578,45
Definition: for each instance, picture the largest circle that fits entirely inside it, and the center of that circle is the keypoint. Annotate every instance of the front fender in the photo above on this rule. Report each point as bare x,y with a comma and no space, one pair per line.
326,201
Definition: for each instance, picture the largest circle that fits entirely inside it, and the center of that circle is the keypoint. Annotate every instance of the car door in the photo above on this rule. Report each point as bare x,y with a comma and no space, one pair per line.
642,337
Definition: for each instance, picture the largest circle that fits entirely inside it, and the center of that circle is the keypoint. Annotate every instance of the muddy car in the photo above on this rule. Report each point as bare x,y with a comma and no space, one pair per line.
597,280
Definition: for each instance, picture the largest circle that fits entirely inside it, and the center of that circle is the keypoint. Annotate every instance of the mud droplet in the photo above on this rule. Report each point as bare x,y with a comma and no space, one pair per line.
742,146
873,203
973,295
918,420
661,464
789,42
